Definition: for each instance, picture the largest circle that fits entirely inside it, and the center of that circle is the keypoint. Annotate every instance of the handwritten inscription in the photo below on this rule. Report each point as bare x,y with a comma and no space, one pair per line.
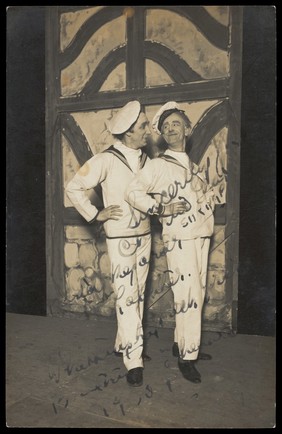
106,381
137,217
116,403
185,305
60,402
128,247
174,189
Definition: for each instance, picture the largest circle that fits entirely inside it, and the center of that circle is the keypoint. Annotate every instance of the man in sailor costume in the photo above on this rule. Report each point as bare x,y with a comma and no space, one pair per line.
127,233
173,187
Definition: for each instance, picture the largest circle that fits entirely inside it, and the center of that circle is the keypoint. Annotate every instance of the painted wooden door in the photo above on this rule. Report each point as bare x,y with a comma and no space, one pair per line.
99,58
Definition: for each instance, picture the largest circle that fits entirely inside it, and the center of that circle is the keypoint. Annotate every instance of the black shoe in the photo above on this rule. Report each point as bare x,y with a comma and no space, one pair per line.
135,377
201,356
145,357
188,370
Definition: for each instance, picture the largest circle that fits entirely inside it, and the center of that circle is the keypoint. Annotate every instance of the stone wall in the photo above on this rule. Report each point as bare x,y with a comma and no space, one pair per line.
88,278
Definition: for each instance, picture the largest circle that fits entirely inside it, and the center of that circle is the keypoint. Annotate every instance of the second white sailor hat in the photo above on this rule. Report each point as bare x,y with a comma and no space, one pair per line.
169,107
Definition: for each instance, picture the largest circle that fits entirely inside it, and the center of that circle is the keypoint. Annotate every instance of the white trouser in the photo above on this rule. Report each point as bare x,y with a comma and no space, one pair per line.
187,263
129,259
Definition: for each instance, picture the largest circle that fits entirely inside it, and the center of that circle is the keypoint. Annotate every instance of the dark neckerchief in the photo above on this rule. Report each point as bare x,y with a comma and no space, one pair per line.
173,160
119,154
192,165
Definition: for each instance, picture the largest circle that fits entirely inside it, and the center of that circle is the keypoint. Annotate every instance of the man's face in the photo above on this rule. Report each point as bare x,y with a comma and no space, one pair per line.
174,131
140,132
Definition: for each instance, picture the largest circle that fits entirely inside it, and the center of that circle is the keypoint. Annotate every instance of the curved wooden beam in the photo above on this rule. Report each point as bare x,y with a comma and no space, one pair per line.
216,33
76,138
212,121
79,145
105,67
86,31
178,70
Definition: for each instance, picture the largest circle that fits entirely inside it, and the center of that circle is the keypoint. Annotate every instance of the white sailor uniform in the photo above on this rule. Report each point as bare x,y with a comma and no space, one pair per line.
128,239
173,178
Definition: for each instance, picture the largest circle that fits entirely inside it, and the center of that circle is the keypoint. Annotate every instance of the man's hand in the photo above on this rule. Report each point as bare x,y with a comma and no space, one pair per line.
112,212
175,208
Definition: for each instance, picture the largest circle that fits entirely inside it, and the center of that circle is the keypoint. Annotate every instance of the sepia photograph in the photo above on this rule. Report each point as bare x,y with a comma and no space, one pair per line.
141,217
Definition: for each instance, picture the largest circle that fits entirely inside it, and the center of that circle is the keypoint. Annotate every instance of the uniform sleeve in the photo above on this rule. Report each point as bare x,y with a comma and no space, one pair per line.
139,192
92,173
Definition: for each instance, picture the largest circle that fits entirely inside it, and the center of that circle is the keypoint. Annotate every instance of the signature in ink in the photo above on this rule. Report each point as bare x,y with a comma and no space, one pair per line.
106,382
184,306
197,184
174,187
117,273
193,349
70,368
130,301
127,348
136,216
118,402
188,219
163,285
61,401
129,248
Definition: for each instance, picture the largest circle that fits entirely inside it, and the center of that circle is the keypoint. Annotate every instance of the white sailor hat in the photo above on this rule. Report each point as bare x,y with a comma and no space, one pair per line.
170,107
125,117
